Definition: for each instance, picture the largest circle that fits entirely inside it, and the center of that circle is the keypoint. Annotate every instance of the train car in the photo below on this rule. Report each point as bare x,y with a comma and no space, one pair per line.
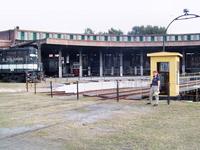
19,64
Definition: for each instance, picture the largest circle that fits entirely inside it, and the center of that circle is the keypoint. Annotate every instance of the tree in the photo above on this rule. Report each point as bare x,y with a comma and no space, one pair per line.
149,29
88,31
115,31
102,33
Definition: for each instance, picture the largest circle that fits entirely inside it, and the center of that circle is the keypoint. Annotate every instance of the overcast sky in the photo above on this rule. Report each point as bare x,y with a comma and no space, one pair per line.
74,16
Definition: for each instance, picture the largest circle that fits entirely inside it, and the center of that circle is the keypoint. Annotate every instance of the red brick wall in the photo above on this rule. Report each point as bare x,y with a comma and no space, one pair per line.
7,35
5,43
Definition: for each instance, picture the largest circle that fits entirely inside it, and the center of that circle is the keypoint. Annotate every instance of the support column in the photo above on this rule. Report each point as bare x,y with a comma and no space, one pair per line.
183,63
101,64
112,70
89,65
141,63
112,67
135,70
60,64
40,67
89,71
80,65
121,64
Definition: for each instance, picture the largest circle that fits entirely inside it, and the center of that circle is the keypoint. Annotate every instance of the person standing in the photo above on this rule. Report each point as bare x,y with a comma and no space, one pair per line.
154,88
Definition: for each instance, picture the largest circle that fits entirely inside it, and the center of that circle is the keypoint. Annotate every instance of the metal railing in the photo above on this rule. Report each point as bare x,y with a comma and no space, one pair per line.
190,82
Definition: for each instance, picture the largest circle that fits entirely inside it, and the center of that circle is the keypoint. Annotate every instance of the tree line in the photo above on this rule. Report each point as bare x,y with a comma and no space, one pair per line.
136,30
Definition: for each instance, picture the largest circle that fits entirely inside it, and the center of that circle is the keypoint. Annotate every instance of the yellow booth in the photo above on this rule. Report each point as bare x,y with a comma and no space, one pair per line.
167,65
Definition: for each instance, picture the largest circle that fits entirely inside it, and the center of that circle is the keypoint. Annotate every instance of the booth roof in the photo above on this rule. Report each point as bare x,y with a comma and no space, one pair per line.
164,54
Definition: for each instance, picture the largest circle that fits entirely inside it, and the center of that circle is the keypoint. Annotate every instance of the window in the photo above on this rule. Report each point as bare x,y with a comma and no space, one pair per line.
176,37
79,37
34,36
109,38
137,38
74,37
25,35
165,38
54,35
102,38
168,38
62,36
194,37
180,37
147,39
91,37
129,38
18,35
67,36
188,37
98,38
113,38
163,66
184,38
118,38
82,37
125,39
22,35
47,35
95,37
152,39
59,36
121,38
171,38
160,38
106,38
141,38
71,37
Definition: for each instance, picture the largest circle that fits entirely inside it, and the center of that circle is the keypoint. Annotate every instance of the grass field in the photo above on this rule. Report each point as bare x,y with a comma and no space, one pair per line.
29,121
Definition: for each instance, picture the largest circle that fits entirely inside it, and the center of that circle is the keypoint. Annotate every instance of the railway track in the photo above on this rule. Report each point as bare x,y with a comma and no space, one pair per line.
138,93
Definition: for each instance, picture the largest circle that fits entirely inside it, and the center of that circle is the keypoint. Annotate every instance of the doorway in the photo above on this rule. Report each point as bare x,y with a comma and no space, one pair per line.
163,70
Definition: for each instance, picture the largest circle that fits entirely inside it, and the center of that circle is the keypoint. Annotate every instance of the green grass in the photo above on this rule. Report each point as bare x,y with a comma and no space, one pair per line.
167,127
12,85
4,120
133,126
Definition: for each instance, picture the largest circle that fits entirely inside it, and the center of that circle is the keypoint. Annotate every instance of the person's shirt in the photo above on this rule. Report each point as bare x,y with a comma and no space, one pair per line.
155,80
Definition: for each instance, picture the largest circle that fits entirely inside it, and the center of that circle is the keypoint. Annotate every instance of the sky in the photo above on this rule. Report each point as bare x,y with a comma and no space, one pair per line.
74,16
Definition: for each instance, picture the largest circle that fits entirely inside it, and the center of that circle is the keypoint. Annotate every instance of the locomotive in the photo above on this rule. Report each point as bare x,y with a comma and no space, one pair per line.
20,64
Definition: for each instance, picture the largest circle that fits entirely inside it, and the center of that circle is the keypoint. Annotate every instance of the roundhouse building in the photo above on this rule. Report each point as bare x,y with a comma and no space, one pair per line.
67,54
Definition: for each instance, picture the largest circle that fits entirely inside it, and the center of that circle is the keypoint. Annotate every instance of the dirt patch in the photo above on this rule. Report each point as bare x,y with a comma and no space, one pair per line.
96,112
30,143
89,114
9,132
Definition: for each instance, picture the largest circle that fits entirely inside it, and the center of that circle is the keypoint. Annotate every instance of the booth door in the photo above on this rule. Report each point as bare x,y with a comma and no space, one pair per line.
163,70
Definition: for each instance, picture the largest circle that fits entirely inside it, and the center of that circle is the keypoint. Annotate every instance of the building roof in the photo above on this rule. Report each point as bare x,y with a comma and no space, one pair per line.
164,54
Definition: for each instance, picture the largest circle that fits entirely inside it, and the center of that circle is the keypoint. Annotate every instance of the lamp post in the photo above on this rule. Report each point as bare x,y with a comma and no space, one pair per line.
185,16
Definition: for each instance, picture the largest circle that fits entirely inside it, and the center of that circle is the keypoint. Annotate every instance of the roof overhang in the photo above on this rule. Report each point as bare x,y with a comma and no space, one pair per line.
118,44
